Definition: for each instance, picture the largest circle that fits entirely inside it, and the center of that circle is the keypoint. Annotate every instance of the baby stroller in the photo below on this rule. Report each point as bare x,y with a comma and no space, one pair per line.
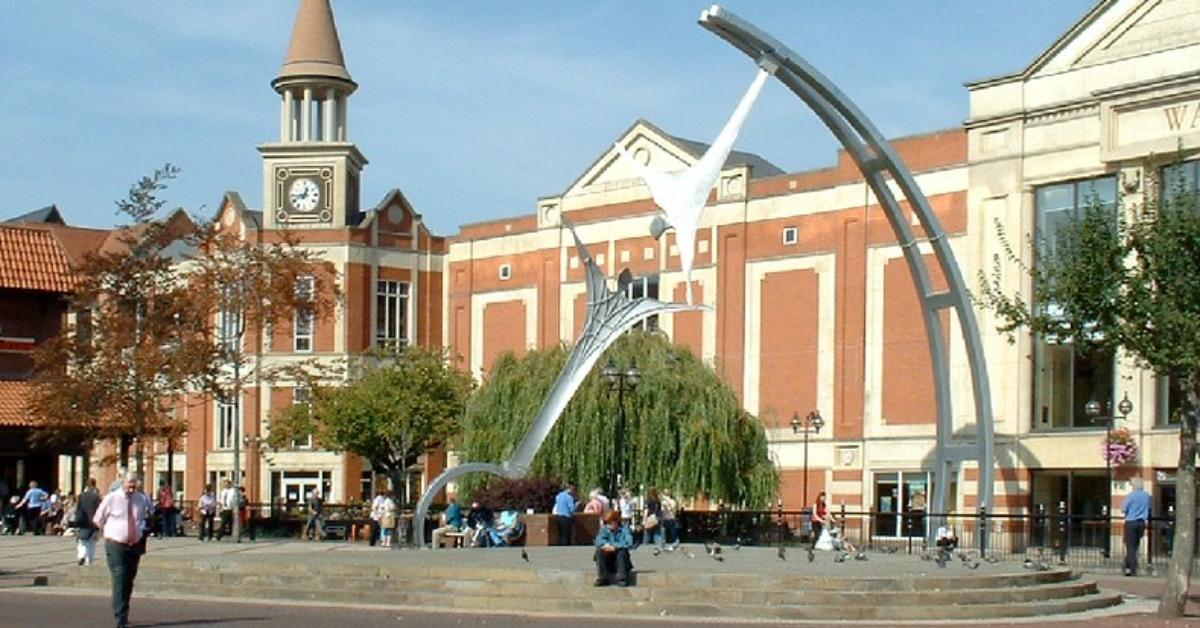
11,522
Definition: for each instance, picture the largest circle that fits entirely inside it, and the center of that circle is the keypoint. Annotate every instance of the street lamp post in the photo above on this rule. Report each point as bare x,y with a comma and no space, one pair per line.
809,424
1103,414
620,380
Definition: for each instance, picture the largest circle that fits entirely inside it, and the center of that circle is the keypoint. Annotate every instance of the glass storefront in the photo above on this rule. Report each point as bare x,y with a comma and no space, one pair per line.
901,501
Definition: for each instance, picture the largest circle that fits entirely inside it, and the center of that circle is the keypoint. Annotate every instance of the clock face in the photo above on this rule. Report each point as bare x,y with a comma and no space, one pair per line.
304,194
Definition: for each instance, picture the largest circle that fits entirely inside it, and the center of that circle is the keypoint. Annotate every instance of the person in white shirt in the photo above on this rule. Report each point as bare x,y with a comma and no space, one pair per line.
378,508
208,512
229,500
121,518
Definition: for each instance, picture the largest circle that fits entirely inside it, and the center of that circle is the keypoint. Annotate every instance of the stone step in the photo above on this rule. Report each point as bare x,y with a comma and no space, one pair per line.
637,601
644,590
665,577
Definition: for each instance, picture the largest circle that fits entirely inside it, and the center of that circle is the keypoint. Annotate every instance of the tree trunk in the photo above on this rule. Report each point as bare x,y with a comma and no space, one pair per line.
123,456
1179,574
396,475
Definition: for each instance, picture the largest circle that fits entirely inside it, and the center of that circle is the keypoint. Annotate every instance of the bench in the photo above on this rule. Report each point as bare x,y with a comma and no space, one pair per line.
455,539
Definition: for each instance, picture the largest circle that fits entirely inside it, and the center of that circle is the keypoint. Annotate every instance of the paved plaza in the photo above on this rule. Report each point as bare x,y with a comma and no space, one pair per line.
26,560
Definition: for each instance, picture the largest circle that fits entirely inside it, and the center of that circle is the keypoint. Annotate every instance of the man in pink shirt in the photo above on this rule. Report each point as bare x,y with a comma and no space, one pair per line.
121,518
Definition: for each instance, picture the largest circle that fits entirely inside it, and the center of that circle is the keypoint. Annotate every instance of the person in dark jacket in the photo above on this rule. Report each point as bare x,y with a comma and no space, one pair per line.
85,528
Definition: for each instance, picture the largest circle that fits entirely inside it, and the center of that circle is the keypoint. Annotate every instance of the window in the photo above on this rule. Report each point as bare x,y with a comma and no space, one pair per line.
644,287
901,499
505,272
1061,203
303,334
1169,393
302,397
1065,378
229,328
226,425
1179,181
391,314
790,235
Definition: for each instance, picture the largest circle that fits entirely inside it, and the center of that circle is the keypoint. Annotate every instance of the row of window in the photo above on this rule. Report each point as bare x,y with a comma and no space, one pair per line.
391,319
1066,378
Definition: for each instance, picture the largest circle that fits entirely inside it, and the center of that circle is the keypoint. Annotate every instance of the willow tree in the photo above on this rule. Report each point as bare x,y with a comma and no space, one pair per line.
1107,284
685,429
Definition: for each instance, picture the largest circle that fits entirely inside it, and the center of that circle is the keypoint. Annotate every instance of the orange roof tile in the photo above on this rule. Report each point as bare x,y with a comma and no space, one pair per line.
33,259
13,396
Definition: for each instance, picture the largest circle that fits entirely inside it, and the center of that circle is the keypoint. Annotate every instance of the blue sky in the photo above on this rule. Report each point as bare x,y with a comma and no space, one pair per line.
473,109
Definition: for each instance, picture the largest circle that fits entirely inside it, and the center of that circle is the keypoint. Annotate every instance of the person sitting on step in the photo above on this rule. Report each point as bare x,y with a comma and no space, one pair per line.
507,529
612,551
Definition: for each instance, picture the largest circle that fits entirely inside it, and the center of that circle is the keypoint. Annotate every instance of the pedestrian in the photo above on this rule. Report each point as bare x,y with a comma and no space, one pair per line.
670,520
819,516
625,506
229,498
652,533
314,528
166,506
595,506
564,513
1137,513
207,506
85,528
377,514
387,520
244,521
122,518
453,521
612,551
35,501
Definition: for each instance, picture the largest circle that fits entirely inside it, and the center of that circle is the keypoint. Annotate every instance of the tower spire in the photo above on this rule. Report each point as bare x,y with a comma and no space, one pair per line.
315,52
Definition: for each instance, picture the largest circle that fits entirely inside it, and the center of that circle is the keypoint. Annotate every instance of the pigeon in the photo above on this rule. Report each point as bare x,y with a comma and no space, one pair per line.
682,195
713,550
1040,566
656,551
891,550
689,554
737,545
840,558
926,556
782,553
943,557
1028,564
973,565
991,559
861,555
962,556
719,558
524,555
811,556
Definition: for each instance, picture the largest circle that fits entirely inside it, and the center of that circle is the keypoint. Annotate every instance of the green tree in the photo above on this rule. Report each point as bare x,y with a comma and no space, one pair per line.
394,409
685,431
1107,284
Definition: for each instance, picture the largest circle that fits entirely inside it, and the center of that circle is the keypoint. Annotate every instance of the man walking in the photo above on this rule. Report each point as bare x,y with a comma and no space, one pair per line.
122,518
166,506
564,513
315,527
1137,512
35,501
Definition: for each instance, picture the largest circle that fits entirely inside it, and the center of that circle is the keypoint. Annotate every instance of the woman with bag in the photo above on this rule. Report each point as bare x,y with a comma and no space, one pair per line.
652,521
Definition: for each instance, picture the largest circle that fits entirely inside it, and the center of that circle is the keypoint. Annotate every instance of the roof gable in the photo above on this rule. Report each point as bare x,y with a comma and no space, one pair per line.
659,150
1120,29
33,259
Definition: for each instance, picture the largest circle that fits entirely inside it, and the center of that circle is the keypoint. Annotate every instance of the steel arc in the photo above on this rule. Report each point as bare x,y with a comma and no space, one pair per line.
882,170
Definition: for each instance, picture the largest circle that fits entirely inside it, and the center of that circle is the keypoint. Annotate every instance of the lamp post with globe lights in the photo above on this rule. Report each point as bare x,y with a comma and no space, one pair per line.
812,423
1102,413
622,381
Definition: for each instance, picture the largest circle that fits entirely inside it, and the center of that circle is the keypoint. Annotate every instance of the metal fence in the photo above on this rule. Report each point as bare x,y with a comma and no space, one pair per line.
1053,538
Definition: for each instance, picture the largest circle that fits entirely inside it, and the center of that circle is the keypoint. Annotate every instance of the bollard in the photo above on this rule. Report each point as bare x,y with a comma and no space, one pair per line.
983,531
1064,532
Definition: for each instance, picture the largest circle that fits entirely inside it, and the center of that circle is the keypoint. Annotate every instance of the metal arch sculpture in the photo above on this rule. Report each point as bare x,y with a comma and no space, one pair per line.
609,314
876,159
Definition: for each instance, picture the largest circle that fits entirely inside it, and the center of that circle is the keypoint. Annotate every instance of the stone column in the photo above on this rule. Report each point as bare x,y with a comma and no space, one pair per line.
306,116
285,118
329,117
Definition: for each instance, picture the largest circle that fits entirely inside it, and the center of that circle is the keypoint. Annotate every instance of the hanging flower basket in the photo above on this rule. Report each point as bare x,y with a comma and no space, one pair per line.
1119,448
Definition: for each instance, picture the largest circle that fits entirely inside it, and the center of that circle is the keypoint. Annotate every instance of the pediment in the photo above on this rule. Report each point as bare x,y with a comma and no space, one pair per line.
1121,29
644,142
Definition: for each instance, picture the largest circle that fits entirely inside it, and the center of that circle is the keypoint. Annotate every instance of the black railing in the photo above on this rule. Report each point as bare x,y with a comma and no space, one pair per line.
1053,538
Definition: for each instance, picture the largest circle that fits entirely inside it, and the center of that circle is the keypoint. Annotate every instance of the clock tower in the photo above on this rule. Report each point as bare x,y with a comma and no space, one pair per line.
310,176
